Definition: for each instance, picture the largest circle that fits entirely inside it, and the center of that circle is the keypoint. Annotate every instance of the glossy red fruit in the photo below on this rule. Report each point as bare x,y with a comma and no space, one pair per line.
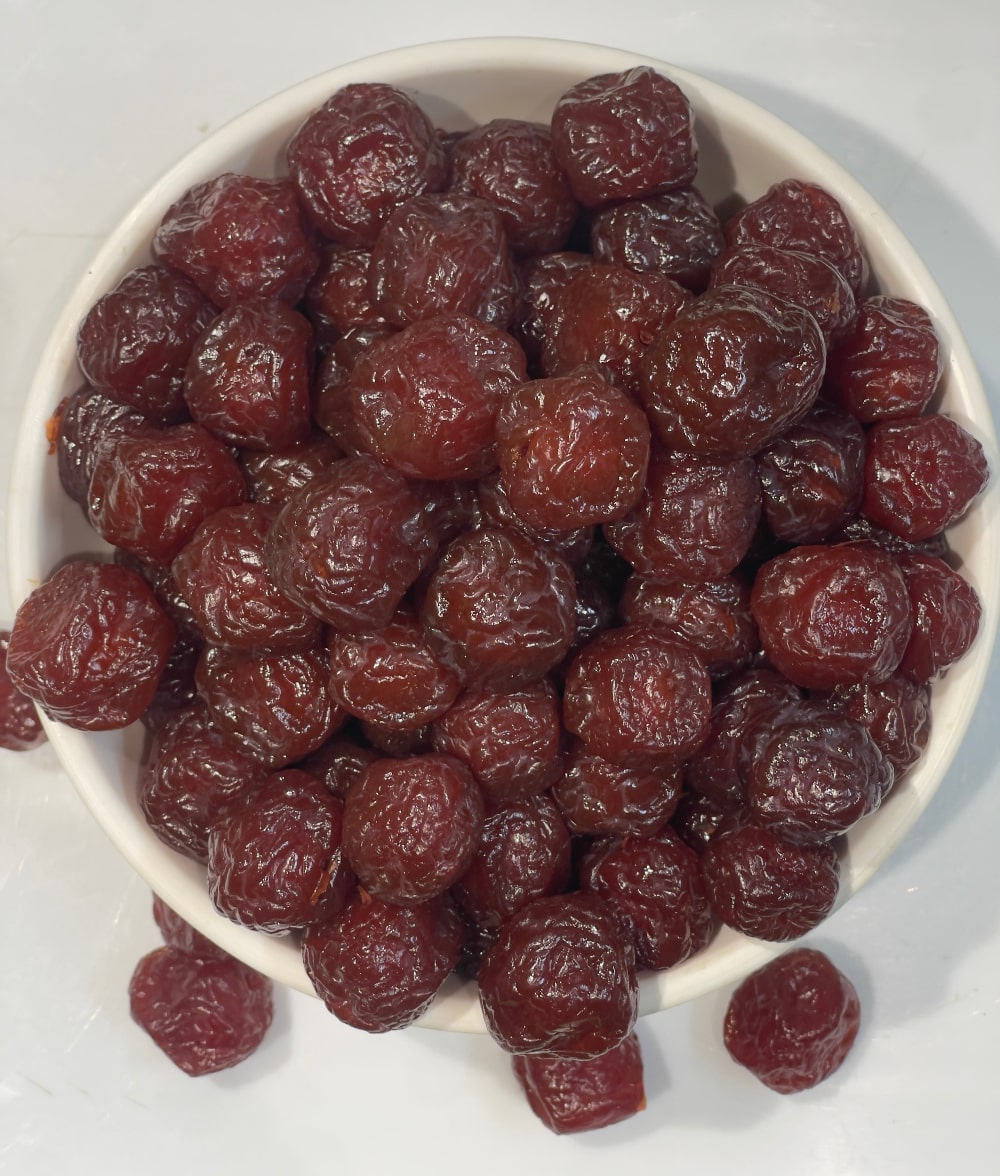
83,424
571,1095
205,1014
20,729
946,616
793,1022
89,645
831,615
601,798
376,965
560,980
238,237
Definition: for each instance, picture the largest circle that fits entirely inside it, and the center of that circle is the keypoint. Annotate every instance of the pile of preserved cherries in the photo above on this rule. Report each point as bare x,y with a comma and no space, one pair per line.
521,570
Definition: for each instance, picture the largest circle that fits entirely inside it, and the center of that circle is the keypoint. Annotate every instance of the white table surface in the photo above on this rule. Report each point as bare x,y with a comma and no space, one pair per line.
95,100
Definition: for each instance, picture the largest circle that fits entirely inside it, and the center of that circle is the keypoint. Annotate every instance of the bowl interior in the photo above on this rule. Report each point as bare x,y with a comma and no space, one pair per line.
743,150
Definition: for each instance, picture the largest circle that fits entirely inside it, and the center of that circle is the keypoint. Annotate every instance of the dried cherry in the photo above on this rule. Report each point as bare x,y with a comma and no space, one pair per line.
946,616
20,729
601,798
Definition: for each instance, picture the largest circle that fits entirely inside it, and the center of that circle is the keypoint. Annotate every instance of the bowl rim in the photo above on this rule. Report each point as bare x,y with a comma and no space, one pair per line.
732,955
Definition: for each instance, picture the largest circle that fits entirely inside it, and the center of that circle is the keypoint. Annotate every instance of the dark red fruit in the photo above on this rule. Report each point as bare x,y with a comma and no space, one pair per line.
367,149
655,883
635,696
539,280
500,608
20,729
425,400
897,712
921,475
135,341
796,215
695,520
275,861
348,545
833,615
247,380
412,826
150,491
946,616
560,980
443,254
275,705
206,1014
338,763
619,136
572,450
83,423
338,299
274,476
238,237
793,1022
376,965
509,162
571,1095
732,371
89,645
601,798
767,888
677,234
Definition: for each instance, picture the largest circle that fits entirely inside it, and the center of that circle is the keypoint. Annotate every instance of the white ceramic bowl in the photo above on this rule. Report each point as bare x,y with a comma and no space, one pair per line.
460,83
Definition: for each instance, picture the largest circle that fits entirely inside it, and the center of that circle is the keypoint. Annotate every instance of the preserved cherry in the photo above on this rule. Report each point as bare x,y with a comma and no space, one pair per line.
20,729
238,237
89,645
897,712
412,826
560,980
946,616
572,1094
84,422
377,966
598,797
793,1022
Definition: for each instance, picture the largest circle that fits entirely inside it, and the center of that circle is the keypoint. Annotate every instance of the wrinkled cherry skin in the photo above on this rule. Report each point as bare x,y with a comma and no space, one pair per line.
377,966
539,279
803,278
500,608
572,450
338,299
793,214
425,400
745,706
713,618
833,615
222,576
275,860
348,545
338,763
656,884
238,238
85,422
765,887
20,729
194,775
677,234
493,508
247,379
733,370
367,149
206,1014
560,980
149,492
812,476
695,520
391,676
89,645
134,342
443,254
921,475
571,1095
512,740
509,162
273,476
815,776
412,826
946,616
890,364
897,712
635,696
524,853
601,798
793,1022
275,705
620,136
608,315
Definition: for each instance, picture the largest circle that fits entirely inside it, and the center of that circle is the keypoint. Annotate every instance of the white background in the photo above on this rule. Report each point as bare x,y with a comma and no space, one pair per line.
96,99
